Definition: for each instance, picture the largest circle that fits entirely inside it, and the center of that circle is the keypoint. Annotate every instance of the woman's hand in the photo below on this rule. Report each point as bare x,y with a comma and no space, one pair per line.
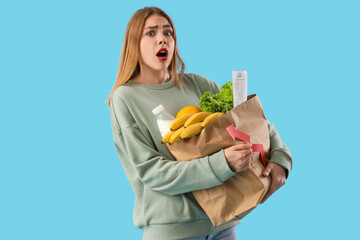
238,157
278,178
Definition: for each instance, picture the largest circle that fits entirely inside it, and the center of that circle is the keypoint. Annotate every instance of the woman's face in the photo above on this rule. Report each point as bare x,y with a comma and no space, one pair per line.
156,44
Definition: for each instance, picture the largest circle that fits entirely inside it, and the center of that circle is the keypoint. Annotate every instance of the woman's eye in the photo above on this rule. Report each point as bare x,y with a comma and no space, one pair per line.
151,33
168,33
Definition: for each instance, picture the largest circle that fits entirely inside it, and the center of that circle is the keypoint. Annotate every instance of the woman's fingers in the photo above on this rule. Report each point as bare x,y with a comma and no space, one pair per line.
268,194
278,179
245,161
267,170
239,147
239,156
246,165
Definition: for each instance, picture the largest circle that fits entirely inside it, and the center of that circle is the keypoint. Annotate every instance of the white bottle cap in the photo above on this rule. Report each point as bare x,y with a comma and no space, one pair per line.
158,109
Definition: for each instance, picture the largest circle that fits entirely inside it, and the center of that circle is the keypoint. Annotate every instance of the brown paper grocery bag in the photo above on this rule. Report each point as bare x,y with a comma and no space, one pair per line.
241,193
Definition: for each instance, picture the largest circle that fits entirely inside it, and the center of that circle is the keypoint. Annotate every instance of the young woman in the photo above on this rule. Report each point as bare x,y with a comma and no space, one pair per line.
151,73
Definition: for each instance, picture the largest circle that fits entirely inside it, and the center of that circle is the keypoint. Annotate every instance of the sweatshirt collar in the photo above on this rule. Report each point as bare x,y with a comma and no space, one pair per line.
161,86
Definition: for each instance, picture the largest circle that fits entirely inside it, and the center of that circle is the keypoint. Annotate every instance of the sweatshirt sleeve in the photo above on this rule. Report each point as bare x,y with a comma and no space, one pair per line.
279,153
141,159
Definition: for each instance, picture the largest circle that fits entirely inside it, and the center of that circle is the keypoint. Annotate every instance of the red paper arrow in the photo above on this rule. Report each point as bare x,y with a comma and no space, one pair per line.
259,148
234,133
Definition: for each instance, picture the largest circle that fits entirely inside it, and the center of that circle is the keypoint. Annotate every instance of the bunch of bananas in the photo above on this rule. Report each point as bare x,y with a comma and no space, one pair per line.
189,125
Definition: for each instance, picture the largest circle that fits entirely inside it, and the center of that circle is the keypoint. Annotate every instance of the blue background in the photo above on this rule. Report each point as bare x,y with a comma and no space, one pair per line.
60,176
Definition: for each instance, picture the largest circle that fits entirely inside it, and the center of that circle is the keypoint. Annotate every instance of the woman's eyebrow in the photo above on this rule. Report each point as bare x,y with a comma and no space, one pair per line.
156,27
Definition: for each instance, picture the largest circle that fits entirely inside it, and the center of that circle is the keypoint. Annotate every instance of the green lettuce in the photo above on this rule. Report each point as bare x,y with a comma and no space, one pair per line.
220,102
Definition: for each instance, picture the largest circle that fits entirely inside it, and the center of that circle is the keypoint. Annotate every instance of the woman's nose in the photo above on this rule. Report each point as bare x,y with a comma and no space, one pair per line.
162,40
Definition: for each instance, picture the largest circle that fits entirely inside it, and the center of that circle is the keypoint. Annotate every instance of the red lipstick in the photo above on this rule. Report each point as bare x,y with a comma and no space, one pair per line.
162,54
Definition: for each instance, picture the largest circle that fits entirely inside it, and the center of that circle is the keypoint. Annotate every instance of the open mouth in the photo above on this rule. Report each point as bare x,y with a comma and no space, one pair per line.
162,54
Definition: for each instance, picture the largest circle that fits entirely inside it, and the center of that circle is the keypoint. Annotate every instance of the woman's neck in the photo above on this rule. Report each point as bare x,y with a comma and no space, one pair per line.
152,77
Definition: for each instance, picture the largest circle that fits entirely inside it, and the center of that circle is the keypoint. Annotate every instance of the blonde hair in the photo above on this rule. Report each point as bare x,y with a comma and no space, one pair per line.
129,66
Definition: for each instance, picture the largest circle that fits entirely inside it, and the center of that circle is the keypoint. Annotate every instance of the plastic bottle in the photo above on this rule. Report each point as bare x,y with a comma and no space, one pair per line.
239,87
164,119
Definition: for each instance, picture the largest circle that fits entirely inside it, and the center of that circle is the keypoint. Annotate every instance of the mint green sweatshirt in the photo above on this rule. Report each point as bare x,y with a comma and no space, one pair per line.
165,208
